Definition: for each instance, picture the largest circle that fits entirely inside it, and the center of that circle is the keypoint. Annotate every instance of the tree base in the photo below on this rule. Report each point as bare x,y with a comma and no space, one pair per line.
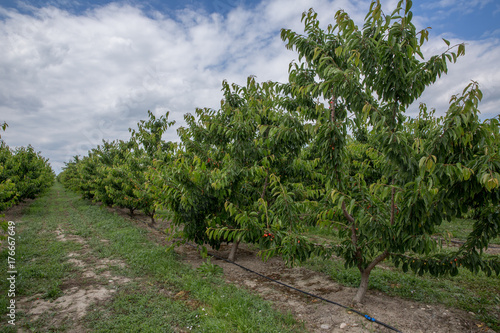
232,253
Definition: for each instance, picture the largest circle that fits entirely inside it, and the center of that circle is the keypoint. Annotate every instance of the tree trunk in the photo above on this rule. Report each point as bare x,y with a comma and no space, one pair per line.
234,248
365,275
363,287
152,217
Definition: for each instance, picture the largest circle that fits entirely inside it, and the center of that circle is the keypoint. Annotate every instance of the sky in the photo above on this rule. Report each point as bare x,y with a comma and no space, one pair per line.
74,73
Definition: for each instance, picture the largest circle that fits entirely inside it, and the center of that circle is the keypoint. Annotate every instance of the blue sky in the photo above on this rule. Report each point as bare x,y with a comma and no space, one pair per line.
76,72
462,19
472,19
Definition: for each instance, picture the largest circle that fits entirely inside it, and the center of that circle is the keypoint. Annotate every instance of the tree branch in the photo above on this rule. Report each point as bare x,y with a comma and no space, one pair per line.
346,213
265,187
393,206
354,236
377,260
332,109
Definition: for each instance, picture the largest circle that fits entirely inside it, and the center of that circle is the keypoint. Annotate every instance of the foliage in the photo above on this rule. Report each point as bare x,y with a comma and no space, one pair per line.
427,170
148,148
239,168
114,173
24,174
30,172
115,186
8,194
209,268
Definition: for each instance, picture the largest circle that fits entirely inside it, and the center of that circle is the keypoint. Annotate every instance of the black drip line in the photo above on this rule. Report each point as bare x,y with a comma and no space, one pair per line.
302,291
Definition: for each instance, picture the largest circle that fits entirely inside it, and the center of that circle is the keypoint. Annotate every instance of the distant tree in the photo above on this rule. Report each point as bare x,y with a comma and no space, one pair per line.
114,173
69,175
116,185
24,174
31,172
148,147
8,193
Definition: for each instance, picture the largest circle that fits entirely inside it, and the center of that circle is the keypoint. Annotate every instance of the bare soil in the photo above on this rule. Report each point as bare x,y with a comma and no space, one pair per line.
93,283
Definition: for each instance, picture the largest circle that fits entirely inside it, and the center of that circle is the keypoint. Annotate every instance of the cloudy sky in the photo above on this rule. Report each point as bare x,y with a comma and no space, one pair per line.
73,73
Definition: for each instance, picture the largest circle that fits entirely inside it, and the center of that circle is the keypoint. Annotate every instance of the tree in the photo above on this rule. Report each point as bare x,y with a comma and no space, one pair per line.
429,169
30,172
229,179
148,147
69,175
24,174
8,194
114,173
116,185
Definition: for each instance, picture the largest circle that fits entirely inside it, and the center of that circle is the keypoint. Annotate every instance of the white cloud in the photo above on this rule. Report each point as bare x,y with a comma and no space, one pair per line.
68,81
480,64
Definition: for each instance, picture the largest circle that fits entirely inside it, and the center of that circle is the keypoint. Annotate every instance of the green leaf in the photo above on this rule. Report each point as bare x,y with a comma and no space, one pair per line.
338,51
408,6
461,49
422,161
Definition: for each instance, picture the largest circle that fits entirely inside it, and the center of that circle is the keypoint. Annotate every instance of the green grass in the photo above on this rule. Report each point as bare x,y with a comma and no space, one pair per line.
460,228
142,309
457,228
146,304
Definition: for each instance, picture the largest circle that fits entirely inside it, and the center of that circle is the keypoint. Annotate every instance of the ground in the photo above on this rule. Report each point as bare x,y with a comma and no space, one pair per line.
320,316
97,280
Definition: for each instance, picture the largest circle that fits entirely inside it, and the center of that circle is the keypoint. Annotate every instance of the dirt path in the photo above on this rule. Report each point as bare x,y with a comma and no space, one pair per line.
92,283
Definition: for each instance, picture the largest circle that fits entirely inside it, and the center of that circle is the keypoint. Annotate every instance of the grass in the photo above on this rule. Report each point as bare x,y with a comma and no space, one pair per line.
460,228
457,228
479,293
163,294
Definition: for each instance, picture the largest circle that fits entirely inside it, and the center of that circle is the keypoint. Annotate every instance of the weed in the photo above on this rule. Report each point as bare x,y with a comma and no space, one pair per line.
208,268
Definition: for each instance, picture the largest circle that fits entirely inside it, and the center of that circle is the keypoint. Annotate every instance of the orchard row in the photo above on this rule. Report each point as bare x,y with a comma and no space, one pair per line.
332,146
24,174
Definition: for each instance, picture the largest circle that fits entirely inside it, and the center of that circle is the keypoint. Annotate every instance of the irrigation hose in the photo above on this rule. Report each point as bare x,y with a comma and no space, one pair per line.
302,291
